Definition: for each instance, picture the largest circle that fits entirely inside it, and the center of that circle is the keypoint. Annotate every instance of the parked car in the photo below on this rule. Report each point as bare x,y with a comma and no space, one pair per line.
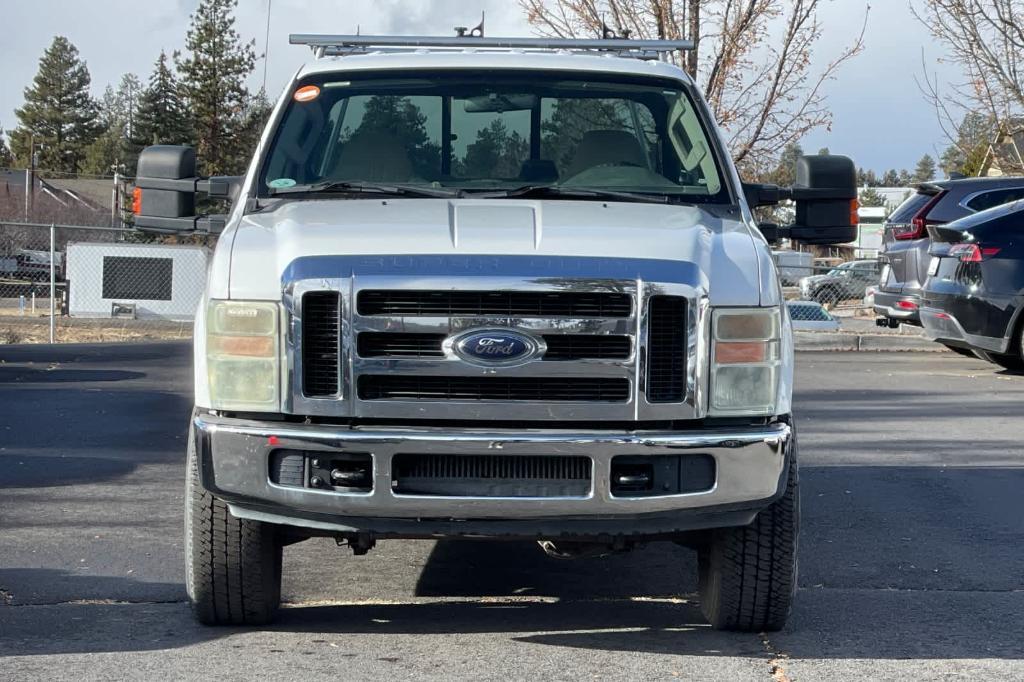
811,316
792,265
845,281
974,294
905,240
869,296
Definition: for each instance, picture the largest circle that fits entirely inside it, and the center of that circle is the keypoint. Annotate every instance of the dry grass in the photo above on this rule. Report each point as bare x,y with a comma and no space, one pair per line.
28,329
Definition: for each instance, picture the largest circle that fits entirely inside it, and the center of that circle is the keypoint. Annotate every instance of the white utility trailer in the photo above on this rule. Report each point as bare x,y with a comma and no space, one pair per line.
144,281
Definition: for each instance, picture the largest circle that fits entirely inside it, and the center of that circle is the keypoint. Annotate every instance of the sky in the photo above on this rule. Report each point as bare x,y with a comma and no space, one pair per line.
880,117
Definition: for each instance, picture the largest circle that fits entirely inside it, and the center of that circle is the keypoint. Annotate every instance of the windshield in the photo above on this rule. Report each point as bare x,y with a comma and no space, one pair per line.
482,132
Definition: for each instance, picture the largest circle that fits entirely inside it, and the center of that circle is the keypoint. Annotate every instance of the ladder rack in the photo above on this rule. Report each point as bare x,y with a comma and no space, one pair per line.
341,45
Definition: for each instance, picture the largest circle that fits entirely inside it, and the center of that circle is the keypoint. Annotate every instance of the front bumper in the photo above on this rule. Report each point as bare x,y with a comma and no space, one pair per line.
233,454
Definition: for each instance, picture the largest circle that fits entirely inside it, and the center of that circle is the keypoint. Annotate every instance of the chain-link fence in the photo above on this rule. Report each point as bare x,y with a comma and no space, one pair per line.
63,283
845,288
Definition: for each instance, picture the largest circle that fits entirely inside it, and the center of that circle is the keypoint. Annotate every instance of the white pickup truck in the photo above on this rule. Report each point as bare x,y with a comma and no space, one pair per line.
493,288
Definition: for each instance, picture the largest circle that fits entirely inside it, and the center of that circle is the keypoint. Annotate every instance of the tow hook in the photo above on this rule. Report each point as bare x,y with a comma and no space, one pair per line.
585,550
887,322
360,543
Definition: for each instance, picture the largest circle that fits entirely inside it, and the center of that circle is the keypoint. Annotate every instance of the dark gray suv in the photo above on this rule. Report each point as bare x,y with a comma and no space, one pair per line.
905,241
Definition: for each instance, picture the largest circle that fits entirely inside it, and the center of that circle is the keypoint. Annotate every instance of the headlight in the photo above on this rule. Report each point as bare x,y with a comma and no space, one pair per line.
745,360
242,355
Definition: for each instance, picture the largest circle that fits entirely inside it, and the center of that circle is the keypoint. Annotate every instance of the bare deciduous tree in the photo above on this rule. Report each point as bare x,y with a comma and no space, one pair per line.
753,60
986,39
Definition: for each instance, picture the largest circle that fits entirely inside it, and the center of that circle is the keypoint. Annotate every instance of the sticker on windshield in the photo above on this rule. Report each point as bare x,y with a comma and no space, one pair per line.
281,183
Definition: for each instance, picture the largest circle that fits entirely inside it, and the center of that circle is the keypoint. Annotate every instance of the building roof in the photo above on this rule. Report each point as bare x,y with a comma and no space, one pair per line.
1004,156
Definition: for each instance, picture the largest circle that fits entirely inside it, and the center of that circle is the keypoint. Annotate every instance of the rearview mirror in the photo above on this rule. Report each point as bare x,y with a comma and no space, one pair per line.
825,193
165,192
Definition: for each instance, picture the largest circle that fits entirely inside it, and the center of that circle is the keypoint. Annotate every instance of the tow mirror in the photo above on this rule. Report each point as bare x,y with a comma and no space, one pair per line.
825,195
165,192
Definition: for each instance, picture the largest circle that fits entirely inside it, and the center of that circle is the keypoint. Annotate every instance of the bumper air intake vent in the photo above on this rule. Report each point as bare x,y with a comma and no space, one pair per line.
491,475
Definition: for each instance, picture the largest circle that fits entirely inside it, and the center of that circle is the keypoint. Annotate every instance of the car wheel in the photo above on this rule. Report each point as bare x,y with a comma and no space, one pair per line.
747,575
232,566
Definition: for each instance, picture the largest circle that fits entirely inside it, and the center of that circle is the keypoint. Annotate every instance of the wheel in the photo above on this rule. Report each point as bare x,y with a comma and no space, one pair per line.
747,575
232,566
966,352
1011,361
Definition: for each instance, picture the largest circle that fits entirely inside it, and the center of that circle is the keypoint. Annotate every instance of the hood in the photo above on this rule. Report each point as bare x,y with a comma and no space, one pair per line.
264,244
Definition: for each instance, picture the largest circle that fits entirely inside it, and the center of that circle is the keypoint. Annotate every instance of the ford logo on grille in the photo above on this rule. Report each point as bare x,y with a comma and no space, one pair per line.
496,347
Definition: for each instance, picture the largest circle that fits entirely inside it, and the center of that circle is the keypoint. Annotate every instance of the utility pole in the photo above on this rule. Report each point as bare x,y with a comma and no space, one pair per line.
29,172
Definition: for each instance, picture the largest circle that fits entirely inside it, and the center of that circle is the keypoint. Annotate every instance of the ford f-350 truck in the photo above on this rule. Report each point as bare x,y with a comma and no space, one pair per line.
493,288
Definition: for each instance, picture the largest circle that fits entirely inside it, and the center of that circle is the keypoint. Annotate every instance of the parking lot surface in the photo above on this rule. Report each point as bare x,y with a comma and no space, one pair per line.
911,555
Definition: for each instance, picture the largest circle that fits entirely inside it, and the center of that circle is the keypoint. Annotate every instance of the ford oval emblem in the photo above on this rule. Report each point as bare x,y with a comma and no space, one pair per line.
496,347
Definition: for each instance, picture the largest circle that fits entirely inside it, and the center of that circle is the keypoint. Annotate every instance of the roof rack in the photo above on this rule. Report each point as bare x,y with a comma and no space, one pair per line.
342,45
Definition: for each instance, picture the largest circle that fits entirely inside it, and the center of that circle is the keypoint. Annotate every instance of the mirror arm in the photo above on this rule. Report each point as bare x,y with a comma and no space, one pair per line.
207,224
216,186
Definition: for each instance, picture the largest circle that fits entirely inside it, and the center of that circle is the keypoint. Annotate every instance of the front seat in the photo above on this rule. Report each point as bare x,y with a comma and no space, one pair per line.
606,147
374,156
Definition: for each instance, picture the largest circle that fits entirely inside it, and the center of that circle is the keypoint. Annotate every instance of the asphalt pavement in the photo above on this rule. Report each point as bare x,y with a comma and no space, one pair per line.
911,551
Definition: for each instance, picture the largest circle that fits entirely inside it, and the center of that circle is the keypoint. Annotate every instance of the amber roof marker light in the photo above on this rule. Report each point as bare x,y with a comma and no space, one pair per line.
307,93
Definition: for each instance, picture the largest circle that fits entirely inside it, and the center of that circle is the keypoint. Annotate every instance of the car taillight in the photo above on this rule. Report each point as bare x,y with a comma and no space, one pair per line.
906,305
972,253
918,226
137,200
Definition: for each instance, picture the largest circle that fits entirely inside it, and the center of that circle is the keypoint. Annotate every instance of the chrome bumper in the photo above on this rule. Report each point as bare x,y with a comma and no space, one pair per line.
234,464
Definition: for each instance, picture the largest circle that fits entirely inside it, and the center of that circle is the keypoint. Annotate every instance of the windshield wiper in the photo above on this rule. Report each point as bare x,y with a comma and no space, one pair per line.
541,191
360,187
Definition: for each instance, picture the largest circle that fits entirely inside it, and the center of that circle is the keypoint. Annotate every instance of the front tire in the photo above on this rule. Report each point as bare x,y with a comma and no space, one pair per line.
233,566
748,575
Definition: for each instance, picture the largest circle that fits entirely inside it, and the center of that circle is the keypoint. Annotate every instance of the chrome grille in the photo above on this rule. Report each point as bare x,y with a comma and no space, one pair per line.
666,348
559,346
505,389
612,347
321,320
495,303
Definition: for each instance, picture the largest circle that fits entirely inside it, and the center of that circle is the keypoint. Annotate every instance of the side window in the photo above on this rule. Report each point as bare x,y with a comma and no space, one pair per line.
995,198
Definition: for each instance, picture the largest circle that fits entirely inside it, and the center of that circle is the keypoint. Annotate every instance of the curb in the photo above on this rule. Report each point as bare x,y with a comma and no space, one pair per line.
816,341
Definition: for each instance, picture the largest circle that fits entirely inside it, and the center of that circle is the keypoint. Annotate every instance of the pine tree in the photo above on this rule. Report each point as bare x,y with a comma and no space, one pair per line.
784,174
905,178
254,119
925,170
161,118
107,154
6,157
871,197
891,178
114,150
59,115
213,84
866,178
